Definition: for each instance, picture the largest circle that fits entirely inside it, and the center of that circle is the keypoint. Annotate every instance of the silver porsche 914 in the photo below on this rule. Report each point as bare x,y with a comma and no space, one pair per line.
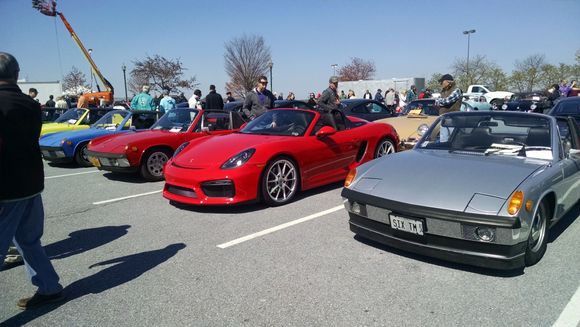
480,188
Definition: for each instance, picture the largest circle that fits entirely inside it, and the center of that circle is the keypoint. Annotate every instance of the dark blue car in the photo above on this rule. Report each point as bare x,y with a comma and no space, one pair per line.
71,146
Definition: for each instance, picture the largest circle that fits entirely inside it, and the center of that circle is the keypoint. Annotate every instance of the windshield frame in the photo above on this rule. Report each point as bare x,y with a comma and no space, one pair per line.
63,119
174,127
111,113
298,127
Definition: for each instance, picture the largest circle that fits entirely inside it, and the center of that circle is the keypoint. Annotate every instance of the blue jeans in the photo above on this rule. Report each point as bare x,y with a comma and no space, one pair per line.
22,221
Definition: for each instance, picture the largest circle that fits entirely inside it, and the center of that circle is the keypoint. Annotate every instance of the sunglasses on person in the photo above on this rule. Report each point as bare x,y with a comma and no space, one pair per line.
264,82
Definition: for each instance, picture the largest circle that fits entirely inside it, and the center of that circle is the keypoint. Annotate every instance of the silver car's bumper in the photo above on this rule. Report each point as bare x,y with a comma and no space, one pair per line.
446,234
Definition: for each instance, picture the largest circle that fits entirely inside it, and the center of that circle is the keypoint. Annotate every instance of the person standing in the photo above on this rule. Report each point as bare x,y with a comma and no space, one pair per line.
50,103
379,96
33,93
312,100
564,88
351,94
195,100
229,97
342,95
367,95
21,185
329,101
143,101
390,99
258,100
411,94
450,99
214,100
82,101
167,103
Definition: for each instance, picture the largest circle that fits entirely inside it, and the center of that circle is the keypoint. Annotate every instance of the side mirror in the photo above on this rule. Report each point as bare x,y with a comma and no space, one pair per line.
325,131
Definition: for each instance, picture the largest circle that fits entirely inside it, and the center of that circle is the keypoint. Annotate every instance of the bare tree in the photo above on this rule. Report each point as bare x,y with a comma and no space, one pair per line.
246,58
358,69
433,82
74,81
530,69
481,71
551,74
160,73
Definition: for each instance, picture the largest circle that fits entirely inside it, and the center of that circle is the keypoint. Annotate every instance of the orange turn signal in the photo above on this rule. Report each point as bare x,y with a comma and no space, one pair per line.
516,202
350,178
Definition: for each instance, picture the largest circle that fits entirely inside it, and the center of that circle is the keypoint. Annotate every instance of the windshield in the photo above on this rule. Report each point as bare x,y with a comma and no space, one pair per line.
491,134
421,107
280,122
176,120
111,120
71,116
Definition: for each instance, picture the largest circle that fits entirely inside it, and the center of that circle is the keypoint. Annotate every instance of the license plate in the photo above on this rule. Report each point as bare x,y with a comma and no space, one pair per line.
95,161
407,225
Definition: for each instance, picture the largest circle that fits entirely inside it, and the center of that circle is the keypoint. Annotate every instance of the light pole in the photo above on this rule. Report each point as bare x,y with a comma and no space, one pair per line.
468,33
334,68
124,68
91,69
270,65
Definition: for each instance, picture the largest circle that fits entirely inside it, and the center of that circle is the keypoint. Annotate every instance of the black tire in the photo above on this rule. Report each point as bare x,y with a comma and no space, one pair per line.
538,238
81,157
152,164
274,186
384,147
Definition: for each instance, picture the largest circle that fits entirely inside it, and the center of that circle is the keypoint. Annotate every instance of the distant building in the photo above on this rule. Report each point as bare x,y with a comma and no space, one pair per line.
44,89
398,84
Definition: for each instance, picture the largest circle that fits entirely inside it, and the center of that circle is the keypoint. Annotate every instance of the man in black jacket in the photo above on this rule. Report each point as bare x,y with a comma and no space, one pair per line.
258,100
214,100
328,102
21,182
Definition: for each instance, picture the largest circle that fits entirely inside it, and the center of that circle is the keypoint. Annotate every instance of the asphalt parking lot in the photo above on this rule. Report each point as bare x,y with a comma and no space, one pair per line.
127,258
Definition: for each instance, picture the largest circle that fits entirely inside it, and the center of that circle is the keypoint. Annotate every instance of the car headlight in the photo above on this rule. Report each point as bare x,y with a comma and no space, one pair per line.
504,107
239,159
533,106
423,128
180,148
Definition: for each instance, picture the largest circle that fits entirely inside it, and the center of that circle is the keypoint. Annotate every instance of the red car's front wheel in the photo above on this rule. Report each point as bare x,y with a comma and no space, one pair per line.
280,181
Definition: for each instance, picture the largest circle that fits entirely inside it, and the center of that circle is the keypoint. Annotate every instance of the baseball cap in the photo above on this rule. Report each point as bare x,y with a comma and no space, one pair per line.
333,79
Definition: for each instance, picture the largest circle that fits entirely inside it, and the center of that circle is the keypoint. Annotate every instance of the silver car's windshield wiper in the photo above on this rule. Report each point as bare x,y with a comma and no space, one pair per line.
462,151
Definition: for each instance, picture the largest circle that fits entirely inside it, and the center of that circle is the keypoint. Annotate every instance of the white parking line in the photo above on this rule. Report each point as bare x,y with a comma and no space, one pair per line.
279,227
126,197
84,172
571,315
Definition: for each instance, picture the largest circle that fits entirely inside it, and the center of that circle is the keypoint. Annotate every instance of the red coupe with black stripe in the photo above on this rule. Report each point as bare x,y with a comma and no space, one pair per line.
273,157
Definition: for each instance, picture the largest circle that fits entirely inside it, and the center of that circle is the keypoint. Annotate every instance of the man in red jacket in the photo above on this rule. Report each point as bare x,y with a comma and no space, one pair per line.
21,183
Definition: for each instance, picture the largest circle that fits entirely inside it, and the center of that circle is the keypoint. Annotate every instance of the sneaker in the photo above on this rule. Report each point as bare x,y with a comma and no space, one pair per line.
12,259
13,251
39,299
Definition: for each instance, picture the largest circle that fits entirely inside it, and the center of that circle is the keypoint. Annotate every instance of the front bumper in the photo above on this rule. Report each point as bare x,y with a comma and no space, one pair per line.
447,235
212,186
54,154
115,162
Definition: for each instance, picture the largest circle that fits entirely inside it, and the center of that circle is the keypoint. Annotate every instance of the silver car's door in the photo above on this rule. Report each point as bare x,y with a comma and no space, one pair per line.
568,188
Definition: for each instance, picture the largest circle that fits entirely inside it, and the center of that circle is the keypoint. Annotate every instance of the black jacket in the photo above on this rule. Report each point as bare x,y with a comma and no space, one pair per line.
21,168
214,101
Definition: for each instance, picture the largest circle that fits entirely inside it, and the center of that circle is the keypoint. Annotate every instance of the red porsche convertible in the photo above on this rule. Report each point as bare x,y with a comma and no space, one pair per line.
147,151
273,157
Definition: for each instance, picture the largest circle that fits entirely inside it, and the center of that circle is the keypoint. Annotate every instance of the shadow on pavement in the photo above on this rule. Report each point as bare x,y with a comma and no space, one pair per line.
124,270
66,165
255,206
133,178
79,242
564,223
439,262
84,240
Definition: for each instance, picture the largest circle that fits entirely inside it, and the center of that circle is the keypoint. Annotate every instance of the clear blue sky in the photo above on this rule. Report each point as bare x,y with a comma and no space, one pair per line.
403,38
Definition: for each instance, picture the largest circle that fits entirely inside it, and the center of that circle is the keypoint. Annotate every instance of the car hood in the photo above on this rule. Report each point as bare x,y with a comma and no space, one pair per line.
117,143
57,127
444,180
54,139
212,151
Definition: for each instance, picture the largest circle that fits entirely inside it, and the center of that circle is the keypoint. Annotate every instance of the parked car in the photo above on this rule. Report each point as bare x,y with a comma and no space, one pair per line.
296,104
366,109
567,107
234,106
491,96
50,114
491,186
74,119
273,157
477,103
147,151
528,101
71,146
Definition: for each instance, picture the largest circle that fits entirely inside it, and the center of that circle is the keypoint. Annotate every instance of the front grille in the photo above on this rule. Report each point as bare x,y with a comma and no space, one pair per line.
183,191
219,189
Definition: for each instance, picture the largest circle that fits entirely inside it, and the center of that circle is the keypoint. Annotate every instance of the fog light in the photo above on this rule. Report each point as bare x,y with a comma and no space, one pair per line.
355,208
485,234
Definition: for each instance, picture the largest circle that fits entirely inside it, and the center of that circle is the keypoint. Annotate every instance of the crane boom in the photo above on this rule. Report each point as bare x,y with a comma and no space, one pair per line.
48,8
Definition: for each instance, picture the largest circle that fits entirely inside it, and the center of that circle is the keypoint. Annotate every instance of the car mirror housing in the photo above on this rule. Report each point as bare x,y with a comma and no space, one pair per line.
325,131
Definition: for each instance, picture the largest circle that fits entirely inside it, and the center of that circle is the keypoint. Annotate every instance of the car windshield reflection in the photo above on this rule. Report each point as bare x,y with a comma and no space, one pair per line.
111,120
176,120
280,122
481,134
71,116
